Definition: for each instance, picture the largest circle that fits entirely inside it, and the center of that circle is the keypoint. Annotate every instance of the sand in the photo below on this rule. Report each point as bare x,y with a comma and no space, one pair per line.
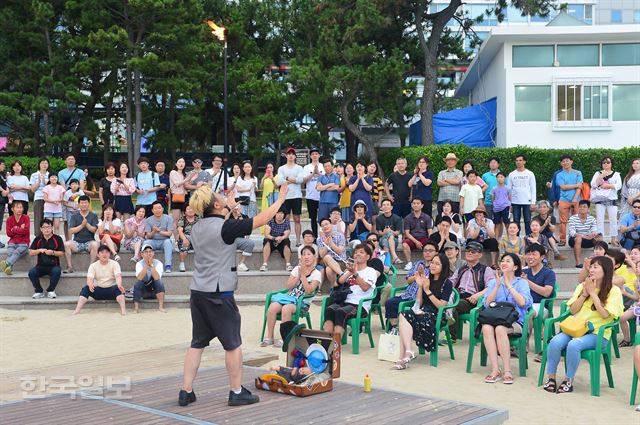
35,338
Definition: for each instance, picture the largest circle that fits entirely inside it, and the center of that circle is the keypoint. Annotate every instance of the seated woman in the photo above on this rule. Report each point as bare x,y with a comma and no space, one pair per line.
303,280
184,226
419,325
629,312
134,232
509,287
512,242
362,281
595,300
276,238
110,230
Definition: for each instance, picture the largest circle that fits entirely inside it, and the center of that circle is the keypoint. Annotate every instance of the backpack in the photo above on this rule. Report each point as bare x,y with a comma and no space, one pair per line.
585,191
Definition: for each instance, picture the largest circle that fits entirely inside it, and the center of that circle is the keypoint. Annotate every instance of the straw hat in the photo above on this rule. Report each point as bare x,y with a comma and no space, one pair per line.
451,155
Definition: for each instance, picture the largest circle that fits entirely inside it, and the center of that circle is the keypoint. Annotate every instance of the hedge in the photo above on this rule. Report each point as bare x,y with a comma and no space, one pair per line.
30,163
542,162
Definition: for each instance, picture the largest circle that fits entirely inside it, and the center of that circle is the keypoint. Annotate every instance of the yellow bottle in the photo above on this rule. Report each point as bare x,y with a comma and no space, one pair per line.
367,383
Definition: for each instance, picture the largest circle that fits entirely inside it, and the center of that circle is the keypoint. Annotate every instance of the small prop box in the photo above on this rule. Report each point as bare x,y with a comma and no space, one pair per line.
300,339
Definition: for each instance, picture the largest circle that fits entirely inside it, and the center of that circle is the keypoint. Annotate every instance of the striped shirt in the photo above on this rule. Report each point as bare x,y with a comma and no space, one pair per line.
578,227
377,189
338,240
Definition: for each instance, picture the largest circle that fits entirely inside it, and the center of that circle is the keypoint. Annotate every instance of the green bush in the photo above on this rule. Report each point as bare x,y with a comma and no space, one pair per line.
542,162
30,163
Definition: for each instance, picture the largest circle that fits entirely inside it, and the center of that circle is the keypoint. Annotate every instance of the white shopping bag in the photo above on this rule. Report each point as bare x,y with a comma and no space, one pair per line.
389,347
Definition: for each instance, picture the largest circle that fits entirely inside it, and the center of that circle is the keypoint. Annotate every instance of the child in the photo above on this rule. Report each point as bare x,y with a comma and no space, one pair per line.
471,196
53,195
536,237
307,240
70,202
18,231
501,198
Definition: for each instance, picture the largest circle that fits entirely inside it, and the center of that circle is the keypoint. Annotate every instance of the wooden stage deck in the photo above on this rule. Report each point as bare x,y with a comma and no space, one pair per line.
154,401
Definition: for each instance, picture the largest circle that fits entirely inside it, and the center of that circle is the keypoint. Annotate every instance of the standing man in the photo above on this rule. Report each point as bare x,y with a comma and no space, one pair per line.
48,248
491,179
214,312
64,178
522,184
293,174
197,177
312,173
328,185
400,192
450,182
147,184
570,183
217,173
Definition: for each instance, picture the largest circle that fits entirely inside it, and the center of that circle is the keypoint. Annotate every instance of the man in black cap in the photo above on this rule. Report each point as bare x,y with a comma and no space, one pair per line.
471,281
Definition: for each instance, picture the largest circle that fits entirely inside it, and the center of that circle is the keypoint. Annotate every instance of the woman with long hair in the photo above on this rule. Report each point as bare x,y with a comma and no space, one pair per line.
420,324
104,185
631,186
122,187
177,178
90,188
596,300
360,186
508,287
245,187
110,231
268,186
605,185
134,232
235,175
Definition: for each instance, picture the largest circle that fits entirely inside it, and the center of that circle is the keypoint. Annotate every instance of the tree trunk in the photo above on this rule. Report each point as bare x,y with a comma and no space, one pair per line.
106,137
128,118
138,105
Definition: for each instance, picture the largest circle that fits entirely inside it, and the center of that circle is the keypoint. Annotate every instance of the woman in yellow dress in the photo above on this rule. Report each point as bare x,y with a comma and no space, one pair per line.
268,186
345,199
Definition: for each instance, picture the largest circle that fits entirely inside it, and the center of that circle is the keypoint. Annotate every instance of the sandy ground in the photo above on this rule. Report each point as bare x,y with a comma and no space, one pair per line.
34,338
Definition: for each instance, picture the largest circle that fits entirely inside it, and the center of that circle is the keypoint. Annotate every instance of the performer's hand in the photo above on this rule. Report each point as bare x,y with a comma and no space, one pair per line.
283,192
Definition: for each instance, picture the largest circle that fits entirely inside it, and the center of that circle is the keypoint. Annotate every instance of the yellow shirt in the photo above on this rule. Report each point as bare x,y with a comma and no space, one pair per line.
345,199
628,276
613,305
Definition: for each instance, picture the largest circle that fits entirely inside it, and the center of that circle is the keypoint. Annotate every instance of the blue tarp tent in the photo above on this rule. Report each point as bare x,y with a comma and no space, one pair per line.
473,126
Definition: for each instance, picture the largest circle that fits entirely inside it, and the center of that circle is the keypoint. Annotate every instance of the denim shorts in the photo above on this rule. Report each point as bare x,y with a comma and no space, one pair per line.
53,215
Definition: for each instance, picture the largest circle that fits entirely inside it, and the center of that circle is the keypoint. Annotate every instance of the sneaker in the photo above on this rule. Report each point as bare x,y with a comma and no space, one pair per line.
134,260
128,293
185,398
8,270
245,397
579,266
560,257
37,295
182,268
242,267
289,267
51,294
408,266
167,269
116,258
263,267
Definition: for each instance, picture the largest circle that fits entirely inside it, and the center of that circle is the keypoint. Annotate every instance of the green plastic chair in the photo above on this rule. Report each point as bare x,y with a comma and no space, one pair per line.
403,304
377,305
355,323
614,331
393,275
538,321
466,318
634,382
592,356
440,327
519,342
296,316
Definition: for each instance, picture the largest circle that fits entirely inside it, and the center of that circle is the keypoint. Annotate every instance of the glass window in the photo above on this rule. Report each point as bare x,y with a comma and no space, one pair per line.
576,10
475,11
621,54
532,56
596,102
588,14
578,55
513,14
626,102
569,102
636,16
616,16
533,103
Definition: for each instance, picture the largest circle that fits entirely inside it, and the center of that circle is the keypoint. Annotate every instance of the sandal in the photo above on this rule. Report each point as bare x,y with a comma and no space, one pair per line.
278,343
266,342
507,377
410,358
263,267
551,386
625,343
492,379
400,365
397,261
565,387
289,267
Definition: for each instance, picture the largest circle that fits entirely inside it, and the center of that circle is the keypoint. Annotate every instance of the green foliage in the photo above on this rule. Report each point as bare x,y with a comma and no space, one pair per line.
542,162
30,163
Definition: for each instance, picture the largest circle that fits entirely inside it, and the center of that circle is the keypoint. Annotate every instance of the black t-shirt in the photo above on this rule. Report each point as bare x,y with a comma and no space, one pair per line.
376,264
442,292
400,189
393,222
436,238
107,195
234,228
54,243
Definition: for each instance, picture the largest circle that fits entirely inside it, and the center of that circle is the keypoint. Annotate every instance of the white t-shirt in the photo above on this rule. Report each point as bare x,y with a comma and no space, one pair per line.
370,276
298,290
18,181
116,223
523,187
37,195
312,191
295,189
247,184
217,183
157,264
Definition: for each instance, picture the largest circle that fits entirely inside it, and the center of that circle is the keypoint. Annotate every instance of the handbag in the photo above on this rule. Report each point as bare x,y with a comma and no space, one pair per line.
498,314
599,195
284,299
575,327
178,197
389,347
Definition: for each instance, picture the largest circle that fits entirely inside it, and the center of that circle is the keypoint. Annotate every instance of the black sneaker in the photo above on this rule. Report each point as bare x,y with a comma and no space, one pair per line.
245,397
185,398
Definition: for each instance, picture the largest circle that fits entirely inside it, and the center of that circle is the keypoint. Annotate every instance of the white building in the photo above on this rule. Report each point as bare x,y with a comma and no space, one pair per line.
560,86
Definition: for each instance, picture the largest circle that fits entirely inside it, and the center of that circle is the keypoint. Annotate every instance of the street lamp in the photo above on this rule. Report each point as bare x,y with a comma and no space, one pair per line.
221,34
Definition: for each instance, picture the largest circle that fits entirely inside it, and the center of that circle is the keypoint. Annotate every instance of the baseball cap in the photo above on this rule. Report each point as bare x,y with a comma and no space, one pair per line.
475,245
146,246
289,150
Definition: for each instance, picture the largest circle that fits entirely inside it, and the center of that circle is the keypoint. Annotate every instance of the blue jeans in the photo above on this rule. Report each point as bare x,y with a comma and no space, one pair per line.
38,271
574,347
324,209
522,211
165,245
15,251
140,290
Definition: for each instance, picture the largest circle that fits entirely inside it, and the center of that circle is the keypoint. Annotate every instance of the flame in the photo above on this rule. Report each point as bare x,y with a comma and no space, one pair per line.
219,32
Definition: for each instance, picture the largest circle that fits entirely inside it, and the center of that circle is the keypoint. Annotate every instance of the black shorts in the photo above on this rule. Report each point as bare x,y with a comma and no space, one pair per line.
586,243
101,294
279,247
293,206
340,313
214,316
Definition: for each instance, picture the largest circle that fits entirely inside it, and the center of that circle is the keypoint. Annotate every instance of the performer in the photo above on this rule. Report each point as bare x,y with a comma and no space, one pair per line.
214,313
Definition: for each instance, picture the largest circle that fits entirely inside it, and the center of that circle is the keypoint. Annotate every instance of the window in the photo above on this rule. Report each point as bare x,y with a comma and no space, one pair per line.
578,55
475,11
621,54
532,56
626,102
568,102
588,14
533,103
513,14
636,16
616,16
576,10
596,102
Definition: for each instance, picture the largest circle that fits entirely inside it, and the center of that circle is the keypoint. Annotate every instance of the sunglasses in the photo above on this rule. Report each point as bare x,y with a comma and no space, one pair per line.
474,251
